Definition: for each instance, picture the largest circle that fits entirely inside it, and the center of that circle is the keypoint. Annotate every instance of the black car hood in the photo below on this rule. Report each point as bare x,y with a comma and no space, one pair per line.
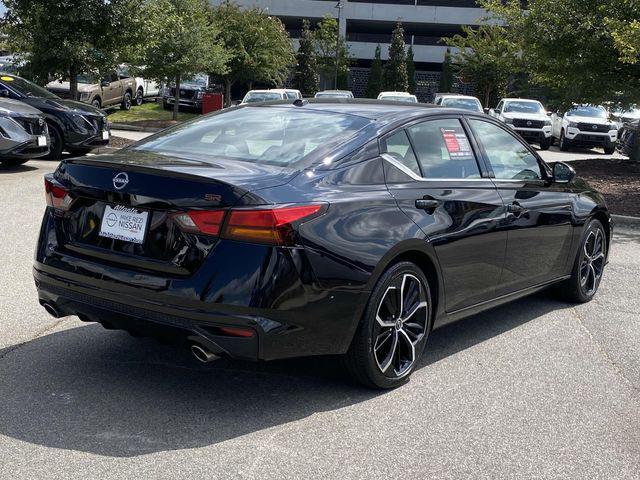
190,86
57,105
246,175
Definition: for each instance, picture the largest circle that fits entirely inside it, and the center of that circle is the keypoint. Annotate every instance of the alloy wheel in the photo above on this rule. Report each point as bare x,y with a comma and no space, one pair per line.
401,323
592,264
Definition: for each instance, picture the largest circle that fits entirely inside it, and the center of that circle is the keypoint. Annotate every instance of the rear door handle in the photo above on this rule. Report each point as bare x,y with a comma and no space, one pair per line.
427,203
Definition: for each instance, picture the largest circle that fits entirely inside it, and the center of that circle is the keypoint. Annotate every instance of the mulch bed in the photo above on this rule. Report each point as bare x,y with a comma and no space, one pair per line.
119,142
617,179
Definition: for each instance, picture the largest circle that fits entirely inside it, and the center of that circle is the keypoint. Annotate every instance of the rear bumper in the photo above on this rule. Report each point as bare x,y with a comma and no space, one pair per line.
271,290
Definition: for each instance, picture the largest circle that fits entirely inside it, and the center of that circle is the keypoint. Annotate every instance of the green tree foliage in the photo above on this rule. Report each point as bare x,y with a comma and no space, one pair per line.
583,51
259,47
375,83
396,68
411,71
488,57
306,75
326,42
66,37
181,41
446,78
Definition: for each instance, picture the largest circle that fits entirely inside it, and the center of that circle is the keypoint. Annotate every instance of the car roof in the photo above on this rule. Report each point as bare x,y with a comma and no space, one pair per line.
334,91
384,111
521,100
398,94
457,95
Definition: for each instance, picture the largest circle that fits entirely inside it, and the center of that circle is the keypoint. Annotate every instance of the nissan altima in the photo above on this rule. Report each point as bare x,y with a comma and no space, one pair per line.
327,227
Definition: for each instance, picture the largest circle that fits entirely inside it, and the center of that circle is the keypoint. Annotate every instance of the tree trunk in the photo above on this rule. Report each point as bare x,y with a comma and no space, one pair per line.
487,97
176,98
73,82
250,85
227,92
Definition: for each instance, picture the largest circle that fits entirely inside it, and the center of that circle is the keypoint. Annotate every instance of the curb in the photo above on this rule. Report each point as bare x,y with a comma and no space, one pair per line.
626,221
133,128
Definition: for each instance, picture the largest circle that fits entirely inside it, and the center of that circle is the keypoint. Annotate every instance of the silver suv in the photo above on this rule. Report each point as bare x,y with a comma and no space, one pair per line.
23,132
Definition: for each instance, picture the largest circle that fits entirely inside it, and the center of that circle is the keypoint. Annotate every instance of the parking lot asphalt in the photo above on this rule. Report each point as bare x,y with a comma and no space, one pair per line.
533,389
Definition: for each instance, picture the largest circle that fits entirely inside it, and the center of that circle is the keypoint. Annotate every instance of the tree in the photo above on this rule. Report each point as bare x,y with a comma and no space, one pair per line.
396,67
306,75
327,42
375,83
258,46
446,78
181,42
64,38
487,57
583,51
411,71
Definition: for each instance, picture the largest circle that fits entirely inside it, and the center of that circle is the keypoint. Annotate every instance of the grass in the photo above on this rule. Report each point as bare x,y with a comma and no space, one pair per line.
147,112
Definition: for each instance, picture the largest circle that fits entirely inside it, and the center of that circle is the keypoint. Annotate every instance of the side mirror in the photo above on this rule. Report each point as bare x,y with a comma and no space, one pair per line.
487,111
104,83
236,102
4,92
549,113
563,173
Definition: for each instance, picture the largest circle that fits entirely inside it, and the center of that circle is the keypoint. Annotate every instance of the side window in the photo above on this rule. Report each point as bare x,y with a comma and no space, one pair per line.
114,77
509,158
443,149
399,147
499,107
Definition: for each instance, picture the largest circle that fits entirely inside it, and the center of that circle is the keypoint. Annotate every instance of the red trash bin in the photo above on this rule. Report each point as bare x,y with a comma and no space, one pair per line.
212,102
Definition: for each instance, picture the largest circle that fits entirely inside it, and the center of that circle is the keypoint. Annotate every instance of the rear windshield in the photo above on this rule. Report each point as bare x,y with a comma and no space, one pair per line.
463,103
262,97
402,98
271,135
524,107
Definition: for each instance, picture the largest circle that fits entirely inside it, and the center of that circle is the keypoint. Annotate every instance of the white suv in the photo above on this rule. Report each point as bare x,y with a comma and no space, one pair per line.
527,117
585,126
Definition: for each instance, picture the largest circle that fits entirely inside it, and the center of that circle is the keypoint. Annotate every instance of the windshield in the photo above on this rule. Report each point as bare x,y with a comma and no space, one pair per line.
464,103
256,97
524,107
394,98
200,79
25,87
587,111
274,136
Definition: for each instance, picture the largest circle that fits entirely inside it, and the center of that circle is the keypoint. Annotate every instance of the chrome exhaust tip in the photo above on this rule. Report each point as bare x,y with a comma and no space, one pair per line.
202,353
51,310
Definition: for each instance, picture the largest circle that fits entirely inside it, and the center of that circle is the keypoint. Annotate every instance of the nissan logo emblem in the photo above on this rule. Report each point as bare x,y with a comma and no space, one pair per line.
595,127
529,123
120,180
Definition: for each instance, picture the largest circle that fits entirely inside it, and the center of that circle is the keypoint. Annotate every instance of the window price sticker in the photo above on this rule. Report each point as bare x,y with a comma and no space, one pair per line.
456,143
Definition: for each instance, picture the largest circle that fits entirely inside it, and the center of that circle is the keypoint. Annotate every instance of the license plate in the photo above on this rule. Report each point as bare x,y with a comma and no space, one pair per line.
124,223
105,135
42,141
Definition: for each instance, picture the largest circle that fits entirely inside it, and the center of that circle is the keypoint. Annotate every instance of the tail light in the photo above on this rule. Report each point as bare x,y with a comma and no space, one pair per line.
274,226
56,195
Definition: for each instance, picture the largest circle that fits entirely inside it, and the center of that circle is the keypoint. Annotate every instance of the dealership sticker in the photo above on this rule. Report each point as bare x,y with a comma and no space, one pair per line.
456,143
124,223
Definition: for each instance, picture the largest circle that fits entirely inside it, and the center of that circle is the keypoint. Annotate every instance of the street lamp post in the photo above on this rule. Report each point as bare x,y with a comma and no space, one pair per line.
335,76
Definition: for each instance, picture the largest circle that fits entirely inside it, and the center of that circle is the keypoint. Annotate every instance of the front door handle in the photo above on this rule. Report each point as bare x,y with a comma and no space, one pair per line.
427,203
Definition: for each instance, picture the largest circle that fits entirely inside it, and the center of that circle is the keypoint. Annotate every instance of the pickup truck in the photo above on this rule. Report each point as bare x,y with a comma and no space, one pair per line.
112,90
585,126
527,117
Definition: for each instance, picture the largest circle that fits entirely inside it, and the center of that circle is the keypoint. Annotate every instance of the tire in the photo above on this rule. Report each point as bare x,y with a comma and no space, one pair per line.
126,102
610,149
139,100
389,333
13,162
57,143
588,266
166,106
564,143
96,103
546,143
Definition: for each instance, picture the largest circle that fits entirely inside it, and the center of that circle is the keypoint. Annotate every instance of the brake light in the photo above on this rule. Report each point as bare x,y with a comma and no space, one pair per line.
201,221
56,195
271,226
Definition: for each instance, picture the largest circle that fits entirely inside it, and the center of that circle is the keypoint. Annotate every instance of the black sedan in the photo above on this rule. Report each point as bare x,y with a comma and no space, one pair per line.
73,126
316,228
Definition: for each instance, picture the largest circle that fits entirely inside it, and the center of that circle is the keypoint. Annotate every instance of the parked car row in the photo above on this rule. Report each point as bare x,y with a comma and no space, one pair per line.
37,123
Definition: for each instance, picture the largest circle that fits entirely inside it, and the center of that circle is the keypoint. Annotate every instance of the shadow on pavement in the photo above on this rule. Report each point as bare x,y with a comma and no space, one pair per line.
15,168
106,393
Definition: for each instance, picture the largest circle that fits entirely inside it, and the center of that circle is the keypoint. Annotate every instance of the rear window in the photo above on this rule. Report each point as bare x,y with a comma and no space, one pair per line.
274,136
